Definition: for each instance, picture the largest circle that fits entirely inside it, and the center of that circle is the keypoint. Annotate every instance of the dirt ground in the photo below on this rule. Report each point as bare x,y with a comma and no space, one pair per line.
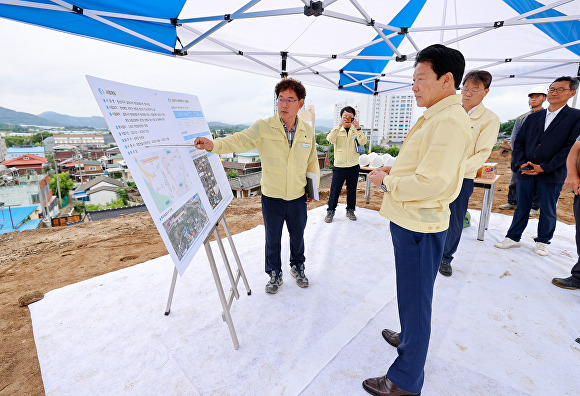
50,258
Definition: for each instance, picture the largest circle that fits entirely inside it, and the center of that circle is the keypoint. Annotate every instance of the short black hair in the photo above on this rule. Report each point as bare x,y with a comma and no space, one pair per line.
349,109
478,76
443,60
573,82
294,85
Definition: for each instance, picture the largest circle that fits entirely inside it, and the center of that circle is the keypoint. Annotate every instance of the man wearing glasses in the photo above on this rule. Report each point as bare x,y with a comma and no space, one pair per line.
484,130
287,150
539,156
536,98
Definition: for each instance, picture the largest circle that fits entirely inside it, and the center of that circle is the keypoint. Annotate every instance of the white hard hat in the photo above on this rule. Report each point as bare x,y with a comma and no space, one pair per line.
538,90
364,160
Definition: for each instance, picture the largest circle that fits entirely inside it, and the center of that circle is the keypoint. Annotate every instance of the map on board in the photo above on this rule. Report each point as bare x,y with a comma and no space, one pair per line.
185,189
164,171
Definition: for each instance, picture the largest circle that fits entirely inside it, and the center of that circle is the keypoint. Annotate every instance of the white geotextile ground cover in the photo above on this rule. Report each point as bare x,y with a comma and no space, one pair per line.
499,326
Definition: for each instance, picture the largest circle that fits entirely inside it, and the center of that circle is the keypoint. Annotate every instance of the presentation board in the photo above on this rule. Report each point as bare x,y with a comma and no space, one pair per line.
186,190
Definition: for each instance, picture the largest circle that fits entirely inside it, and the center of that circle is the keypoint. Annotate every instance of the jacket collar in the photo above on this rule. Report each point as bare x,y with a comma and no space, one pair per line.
478,112
275,123
442,104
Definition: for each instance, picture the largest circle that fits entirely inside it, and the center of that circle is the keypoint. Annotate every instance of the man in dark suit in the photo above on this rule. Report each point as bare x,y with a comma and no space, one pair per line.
539,156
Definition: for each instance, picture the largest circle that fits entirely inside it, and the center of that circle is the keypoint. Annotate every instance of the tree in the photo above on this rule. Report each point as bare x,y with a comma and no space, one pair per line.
331,155
66,184
37,138
507,127
79,207
393,151
378,149
123,195
232,173
321,139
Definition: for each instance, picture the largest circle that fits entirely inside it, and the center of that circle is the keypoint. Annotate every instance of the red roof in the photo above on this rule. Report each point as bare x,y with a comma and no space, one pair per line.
71,164
26,159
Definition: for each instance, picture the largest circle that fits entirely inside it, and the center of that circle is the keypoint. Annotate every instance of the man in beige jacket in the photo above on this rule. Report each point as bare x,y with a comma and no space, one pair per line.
424,180
346,167
287,150
484,130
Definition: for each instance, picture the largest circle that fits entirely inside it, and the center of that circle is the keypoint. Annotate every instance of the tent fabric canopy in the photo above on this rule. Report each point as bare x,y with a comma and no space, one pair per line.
365,47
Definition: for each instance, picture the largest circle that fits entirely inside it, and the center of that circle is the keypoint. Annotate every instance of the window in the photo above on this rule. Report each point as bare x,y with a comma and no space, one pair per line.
35,198
92,168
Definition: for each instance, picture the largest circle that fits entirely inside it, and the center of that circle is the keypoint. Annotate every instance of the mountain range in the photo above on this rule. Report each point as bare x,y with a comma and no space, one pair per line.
50,118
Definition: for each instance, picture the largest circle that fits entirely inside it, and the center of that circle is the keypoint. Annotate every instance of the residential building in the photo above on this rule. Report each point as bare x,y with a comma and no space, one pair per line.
89,170
76,140
27,163
243,168
99,191
308,115
247,185
399,117
18,218
17,151
65,152
30,190
119,170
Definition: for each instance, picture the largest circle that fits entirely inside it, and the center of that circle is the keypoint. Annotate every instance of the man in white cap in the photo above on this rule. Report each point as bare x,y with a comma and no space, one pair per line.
536,98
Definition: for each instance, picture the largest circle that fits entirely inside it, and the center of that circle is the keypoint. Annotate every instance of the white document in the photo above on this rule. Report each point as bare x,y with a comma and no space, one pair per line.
186,190
312,185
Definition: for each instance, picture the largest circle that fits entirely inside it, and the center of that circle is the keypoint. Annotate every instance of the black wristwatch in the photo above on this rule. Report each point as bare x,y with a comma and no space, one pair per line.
384,188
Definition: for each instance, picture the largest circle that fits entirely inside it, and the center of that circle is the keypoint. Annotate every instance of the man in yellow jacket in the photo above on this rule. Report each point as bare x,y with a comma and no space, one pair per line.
287,150
484,130
424,180
346,167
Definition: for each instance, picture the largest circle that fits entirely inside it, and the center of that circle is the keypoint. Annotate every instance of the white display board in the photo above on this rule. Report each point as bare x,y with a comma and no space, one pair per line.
185,189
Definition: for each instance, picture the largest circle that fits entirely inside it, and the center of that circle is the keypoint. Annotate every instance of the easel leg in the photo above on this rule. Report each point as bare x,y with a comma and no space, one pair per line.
171,290
218,284
240,272
233,282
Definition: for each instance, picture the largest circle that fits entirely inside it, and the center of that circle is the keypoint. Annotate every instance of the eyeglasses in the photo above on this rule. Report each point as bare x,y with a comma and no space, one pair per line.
559,90
287,101
472,90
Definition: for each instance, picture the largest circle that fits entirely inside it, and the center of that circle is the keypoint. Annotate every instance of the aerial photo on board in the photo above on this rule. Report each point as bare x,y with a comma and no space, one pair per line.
185,225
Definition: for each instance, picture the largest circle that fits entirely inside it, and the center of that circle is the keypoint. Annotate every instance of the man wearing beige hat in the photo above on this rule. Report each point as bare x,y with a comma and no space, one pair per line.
536,98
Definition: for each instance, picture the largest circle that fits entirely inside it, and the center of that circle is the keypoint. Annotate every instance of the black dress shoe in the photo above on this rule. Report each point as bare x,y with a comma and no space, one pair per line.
382,386
445,268
392,337
567,283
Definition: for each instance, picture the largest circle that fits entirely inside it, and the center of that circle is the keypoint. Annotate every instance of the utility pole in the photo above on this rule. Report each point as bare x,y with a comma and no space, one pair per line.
57,182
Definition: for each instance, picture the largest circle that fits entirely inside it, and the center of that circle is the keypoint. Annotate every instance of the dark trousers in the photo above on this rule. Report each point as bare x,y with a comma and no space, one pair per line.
549,193
417,259
458,209
576,268
512,198
339,176
275,212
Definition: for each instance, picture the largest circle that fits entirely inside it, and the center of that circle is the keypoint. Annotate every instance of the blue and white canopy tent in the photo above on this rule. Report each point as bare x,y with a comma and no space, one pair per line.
366,46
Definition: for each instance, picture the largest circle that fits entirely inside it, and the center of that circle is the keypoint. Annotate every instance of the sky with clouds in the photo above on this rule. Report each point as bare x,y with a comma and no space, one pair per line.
44,70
